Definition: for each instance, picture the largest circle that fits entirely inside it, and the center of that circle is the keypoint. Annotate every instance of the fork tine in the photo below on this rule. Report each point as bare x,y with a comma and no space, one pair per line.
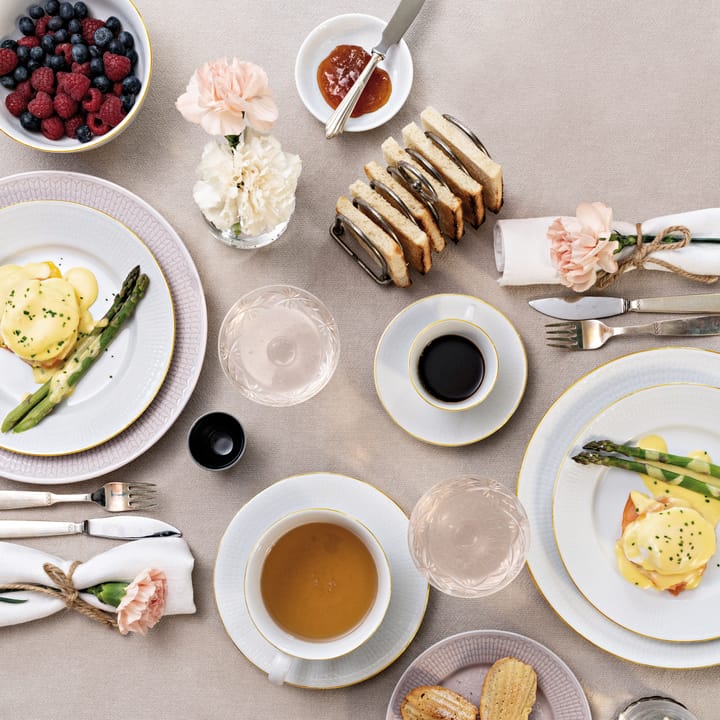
140,506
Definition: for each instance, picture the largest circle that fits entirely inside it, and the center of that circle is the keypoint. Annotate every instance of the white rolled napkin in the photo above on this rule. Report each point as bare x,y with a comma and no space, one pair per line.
522,249
122,563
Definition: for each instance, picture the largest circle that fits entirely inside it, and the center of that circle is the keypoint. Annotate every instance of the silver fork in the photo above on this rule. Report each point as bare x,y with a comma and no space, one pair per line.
113,496
592,334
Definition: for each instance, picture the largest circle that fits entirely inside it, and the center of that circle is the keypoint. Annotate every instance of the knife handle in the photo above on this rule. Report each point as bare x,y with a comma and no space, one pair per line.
37,528
336,124
704,302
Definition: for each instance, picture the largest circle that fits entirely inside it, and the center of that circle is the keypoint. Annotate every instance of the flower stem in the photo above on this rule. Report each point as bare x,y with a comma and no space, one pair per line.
233,141
624,241
12,601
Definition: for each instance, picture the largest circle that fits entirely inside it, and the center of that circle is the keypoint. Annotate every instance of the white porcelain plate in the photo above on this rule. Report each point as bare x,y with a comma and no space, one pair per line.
589,502
461,661
415,415
352,29
552,440
116,229
382,517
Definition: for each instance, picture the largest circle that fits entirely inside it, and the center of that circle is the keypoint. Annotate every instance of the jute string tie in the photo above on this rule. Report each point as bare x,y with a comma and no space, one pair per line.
643,256
67,591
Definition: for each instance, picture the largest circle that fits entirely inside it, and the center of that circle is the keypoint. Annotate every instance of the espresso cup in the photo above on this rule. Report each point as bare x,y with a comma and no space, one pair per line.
216,441
317,586
453,364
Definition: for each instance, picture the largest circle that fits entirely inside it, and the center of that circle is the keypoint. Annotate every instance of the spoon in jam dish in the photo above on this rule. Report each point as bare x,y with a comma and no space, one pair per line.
401,20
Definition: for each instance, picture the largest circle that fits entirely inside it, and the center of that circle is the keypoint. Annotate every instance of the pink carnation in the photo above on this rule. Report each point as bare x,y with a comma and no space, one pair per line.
580,246
225,97
143,604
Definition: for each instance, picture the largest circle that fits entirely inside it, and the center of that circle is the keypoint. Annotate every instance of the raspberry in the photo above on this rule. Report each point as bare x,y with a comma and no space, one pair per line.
116,66
65,49
53,128
96,124
73,124
43,79
41,25
82,68
93,100
111,111
25,89
76,85
41,106
8,61
117,89
29,41
89,26
65,106
16,103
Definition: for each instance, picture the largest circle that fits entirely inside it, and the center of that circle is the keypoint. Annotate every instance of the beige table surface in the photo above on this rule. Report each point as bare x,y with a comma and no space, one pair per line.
613,101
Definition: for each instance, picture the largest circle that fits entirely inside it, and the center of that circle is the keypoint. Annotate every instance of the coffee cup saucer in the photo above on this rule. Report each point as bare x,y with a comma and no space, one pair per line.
431,424
382,516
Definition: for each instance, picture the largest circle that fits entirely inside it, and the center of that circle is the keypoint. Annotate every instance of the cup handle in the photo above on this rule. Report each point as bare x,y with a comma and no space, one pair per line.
279,668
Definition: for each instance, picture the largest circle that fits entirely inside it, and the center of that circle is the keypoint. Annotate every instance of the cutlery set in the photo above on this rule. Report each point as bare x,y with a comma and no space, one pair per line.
583,331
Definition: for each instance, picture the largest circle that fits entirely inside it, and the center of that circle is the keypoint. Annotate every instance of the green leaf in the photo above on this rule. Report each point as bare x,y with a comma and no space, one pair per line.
12,601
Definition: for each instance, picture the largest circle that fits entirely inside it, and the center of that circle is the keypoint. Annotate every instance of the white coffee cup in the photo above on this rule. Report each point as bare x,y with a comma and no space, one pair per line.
478,337
290,648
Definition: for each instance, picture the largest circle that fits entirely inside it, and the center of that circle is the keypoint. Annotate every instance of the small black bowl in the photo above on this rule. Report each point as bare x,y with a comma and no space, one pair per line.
216,441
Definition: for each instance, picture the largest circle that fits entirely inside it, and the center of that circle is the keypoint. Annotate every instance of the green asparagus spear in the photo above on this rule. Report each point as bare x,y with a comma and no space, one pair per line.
30,401
672,478
695,464
81,361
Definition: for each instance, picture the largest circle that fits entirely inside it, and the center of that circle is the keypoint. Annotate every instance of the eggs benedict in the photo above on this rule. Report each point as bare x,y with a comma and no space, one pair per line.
43,312
665,543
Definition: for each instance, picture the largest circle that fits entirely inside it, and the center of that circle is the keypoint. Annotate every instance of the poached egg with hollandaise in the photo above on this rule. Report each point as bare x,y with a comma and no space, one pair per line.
44,312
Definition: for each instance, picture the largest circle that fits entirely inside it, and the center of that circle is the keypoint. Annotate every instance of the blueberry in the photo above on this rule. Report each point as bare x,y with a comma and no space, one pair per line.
77,39
36,11
113,24
97,67
57,63
55,23
52,7
9,45
83,134
81,10
47,43
33,65
29,121
132,56
66,11
26,25
127,102
23,54
126,39
21,74
74,26
61,36
102,83
95,52
8,81
131,85
37,54
116,47
80,53
102,36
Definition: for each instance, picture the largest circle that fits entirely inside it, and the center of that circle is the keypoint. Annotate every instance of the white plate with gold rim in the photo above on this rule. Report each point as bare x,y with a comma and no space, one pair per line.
382,516
410,411
178,273
547,450
589,501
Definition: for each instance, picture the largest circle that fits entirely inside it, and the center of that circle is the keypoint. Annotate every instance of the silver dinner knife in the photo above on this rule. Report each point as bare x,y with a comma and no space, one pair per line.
588,307
401,20
116,528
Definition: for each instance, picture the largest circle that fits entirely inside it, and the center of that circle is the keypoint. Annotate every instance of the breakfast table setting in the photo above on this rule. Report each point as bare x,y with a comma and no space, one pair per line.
475,321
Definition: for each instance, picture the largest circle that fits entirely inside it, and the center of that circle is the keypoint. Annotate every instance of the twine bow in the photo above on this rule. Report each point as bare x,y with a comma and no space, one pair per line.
67,591
643,255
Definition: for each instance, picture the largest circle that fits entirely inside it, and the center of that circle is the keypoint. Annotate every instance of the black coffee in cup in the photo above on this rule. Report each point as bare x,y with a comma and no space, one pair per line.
451,368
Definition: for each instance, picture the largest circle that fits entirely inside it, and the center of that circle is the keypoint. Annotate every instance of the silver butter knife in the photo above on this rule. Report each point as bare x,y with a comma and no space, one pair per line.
588,307
116,528
401,20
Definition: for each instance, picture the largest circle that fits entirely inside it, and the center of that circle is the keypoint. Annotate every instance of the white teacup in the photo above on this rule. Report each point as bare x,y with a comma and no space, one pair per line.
448,327
292,647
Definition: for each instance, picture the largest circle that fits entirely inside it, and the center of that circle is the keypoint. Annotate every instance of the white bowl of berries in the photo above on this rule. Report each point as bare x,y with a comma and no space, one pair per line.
73,75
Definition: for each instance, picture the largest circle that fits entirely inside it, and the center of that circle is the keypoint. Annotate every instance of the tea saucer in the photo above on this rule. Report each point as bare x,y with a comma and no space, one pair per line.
422,420
389,524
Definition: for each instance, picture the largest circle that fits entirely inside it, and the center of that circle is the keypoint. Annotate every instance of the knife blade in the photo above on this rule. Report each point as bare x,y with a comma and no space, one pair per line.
401,20
115,528
588,307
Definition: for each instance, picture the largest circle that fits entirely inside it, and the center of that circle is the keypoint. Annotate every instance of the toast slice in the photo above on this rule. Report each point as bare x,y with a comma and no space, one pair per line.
449,206
415,243
509,691
481,167
385,245
433,702
418,209
460,182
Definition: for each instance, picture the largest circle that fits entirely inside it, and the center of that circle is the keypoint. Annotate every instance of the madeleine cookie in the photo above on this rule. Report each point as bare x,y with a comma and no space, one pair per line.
509,690
433,702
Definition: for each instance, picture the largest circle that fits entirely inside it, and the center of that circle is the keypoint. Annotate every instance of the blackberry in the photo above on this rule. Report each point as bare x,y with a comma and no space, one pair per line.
113,24
74,26
131,85
127,102
21,74
29,121
116,47
9,45
81,10
52,7
126,39
55,23
80,53
36,11
96,67
26,25
37,54
103,36
23,54
61,36
47,43
8,81
83,134
66,11
102,84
